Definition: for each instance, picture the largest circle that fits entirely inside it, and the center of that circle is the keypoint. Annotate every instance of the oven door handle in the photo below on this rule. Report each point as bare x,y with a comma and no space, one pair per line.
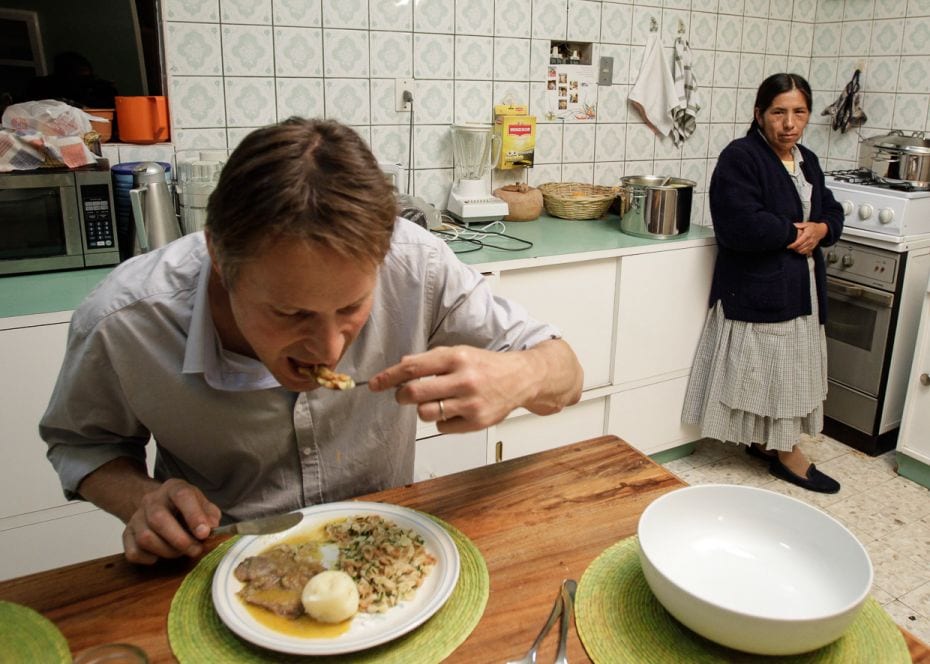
884,300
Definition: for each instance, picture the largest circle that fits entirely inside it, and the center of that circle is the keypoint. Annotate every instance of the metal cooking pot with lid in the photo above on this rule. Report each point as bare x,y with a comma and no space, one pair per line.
655,206
898,158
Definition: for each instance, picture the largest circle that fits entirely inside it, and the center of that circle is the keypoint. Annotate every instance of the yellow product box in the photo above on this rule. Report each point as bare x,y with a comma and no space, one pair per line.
517,132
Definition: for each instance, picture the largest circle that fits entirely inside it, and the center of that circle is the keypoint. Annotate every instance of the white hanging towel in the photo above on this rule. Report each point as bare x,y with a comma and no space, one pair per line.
653,94
686,90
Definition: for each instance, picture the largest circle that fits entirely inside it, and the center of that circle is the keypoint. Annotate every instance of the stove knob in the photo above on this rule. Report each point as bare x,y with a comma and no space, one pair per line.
848,208
886,215
924,379
832,257
865,211
847,260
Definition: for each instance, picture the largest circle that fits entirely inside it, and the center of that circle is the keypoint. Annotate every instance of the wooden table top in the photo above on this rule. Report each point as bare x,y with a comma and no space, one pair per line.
536,520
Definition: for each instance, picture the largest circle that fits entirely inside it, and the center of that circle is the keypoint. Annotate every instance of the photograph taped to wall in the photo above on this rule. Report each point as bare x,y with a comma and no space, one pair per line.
571,93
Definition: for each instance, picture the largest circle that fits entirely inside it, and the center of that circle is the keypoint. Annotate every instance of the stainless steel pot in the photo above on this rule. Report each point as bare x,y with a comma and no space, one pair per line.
898,158
655,206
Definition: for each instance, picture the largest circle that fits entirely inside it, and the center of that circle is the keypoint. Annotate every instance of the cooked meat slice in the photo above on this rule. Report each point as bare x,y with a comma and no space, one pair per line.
282,601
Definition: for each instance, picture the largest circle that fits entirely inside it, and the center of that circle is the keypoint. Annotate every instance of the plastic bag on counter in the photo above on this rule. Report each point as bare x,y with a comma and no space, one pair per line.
44,134
48,116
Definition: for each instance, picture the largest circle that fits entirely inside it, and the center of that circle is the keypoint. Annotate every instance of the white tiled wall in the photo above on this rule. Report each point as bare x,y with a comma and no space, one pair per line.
234,65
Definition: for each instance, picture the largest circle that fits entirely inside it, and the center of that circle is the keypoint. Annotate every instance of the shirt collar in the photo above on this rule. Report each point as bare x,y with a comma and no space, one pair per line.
204,354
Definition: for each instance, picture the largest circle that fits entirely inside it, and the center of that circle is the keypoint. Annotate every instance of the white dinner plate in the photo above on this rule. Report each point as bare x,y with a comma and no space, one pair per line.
367,629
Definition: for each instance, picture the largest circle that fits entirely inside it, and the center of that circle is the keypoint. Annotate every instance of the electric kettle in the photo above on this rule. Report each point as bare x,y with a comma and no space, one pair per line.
156,223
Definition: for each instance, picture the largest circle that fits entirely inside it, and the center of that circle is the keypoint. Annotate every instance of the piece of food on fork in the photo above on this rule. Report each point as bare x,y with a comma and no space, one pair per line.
328,378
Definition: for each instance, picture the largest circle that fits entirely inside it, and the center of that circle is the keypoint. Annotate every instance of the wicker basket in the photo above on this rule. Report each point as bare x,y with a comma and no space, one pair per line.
576,200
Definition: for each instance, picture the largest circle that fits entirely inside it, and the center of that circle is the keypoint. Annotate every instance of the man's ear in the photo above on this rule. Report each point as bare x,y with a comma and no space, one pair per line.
214,264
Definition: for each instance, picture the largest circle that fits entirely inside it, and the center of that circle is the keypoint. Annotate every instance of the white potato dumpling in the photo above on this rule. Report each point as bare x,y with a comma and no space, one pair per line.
330,597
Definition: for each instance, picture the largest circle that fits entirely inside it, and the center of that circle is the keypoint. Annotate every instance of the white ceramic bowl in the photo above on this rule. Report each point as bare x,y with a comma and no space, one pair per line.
753,569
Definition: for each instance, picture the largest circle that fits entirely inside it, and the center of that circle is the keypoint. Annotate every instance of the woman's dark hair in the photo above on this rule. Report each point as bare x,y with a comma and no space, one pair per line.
305,181
775,85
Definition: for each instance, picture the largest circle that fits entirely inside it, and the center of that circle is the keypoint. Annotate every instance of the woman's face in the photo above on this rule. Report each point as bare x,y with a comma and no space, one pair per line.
784,120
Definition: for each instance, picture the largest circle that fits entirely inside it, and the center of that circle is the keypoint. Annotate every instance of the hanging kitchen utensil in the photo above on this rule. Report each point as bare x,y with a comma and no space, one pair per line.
847,109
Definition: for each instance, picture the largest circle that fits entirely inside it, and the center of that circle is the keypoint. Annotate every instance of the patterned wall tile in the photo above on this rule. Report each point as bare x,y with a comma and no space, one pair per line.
726,69
197,101
250,102
914,74
804,11
510,92
299,13
778,37
195,47
880,111
621,56
910,112
550,19
889,9
235,135
801,40
734,7
616,23
578,172
918,7
827,39
723,105
298,52
695,146
207,11
609,142
674,23
539,59
855,35
345,53
390,15
881,75
475,17
248,50
348,100
432,56
886,37
474,58
512,18
433,185
195,140
548,143
858,10
473,101
432,146
751,71
246,12
511,59
829,10
667,167
753,39
584,20
916,36
703,31
756,8
729,32
640,142
391,143
433,101
302,97
608,173
612,104
345,14
545,173
709,6
774,64
642,23
434,16
720,136
391,54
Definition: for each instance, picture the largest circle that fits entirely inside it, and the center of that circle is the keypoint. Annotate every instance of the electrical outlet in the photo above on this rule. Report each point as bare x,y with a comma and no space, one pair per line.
402,85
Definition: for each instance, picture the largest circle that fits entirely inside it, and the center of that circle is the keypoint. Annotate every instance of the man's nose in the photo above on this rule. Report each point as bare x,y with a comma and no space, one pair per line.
326,342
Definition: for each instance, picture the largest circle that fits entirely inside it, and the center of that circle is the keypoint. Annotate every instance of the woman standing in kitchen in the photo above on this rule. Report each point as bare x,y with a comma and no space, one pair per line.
760,374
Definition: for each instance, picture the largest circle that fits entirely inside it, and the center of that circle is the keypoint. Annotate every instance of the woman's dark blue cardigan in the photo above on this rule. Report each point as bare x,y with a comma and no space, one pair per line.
754,204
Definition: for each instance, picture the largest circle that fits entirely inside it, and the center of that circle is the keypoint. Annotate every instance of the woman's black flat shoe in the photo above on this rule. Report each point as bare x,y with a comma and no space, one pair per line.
760,452
815,480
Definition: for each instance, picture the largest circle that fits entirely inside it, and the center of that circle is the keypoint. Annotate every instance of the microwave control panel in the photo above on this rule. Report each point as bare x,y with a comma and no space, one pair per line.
98,216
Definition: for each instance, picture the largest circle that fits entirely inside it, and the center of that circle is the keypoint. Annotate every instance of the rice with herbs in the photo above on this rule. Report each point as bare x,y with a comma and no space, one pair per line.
387,562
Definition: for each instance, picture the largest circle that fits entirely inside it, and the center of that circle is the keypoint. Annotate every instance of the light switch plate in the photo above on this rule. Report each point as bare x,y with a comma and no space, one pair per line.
605,71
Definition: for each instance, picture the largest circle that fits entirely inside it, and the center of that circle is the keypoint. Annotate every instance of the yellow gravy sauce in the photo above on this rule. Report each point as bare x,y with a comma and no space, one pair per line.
303,626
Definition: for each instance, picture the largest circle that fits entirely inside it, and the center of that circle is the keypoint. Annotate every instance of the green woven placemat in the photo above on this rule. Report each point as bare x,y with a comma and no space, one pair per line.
28,636
620,620
197,634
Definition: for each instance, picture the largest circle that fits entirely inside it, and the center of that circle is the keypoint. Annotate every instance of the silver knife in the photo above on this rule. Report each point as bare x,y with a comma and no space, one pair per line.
263,526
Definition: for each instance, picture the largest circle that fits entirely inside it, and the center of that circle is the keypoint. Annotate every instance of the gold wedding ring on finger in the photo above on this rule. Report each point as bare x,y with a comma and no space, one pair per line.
442,411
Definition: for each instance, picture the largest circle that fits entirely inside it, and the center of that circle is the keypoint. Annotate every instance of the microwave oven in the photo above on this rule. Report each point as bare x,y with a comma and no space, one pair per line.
57,219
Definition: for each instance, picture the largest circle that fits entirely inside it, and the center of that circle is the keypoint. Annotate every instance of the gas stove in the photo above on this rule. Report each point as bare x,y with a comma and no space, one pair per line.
894,212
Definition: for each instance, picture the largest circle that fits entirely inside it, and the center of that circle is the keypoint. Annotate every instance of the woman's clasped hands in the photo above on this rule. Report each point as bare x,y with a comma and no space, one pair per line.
810,233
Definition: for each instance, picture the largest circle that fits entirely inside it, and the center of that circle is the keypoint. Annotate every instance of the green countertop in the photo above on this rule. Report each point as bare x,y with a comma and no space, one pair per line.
23,295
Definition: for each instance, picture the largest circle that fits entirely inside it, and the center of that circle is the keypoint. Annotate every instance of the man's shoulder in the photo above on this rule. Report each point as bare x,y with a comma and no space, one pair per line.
168,274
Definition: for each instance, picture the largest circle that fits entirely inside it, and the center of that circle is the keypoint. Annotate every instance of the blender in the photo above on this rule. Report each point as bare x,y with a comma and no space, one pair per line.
475,149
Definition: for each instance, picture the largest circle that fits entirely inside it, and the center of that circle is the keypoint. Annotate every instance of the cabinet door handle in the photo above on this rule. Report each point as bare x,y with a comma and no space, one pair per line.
924,379
498,451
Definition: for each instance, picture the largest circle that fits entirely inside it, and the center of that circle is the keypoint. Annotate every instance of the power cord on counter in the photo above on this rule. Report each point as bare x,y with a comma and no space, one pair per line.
477,237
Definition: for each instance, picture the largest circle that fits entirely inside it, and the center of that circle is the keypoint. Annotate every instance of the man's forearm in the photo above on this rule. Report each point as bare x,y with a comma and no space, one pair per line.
117,487
558,374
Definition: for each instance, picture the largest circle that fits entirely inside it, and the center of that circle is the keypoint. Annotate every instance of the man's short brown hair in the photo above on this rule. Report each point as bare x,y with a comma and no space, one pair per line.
302,180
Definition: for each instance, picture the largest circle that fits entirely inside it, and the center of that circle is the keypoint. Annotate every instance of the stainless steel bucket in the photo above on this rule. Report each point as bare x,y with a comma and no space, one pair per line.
655,206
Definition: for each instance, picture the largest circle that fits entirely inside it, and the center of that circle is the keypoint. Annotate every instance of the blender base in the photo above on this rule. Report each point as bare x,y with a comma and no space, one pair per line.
470,202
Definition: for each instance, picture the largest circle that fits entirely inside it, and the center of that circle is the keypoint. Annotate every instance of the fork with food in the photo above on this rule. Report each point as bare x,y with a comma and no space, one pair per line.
330,379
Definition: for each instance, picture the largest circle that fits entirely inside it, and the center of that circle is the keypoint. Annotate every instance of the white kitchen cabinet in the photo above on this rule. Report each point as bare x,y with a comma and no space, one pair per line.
662,307
649,417
527,434
579,299
39,529
914,435
444,454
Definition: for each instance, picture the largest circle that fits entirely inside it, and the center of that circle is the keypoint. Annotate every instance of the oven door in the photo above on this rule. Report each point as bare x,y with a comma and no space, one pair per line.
857,330
39,228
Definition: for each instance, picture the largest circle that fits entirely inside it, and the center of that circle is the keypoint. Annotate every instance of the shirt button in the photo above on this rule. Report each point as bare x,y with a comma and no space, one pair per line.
307,451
